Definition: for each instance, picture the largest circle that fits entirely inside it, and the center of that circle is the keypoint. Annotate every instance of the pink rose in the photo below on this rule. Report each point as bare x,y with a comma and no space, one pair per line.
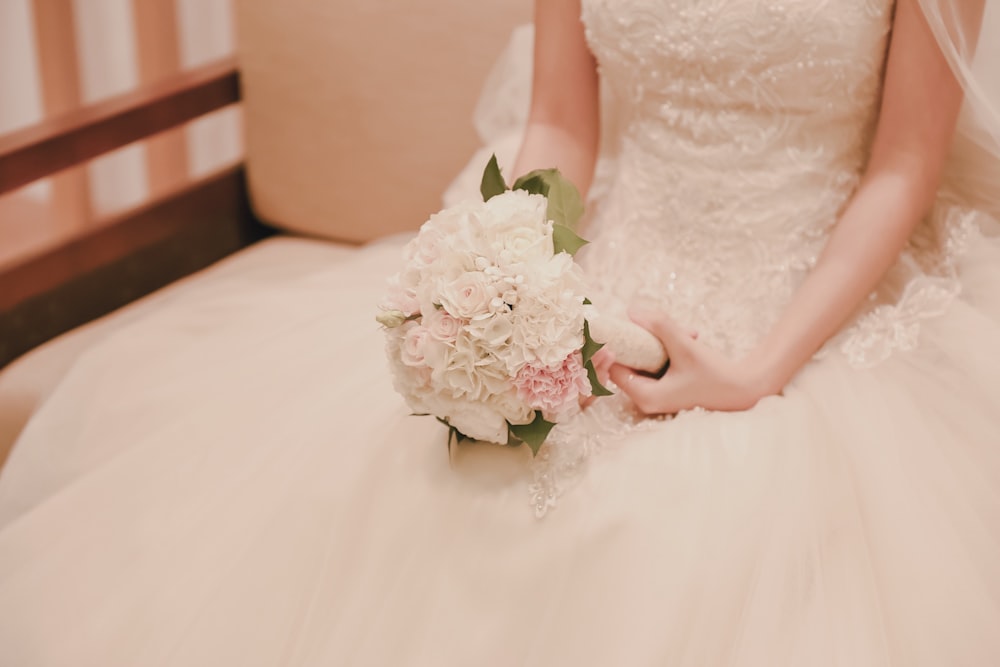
442,325
553,389
468,296
414,345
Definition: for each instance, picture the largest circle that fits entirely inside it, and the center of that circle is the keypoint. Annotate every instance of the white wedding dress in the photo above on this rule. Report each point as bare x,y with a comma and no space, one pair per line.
232,481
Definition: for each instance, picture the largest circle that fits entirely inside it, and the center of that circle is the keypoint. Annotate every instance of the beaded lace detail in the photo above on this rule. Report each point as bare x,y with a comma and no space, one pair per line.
744,130
744,127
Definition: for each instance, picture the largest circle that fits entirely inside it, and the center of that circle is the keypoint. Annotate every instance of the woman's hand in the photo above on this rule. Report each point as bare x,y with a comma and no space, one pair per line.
698,375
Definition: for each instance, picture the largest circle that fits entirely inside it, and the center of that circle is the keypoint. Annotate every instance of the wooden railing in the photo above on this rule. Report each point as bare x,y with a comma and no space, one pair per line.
85,133
70,44
136,252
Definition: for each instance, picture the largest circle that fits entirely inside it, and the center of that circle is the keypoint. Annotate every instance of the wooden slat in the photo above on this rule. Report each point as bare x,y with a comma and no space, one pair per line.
81,135
139,253
158,46
56,50
25,227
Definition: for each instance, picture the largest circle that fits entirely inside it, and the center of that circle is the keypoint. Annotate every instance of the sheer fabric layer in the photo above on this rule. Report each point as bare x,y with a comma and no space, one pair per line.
266,515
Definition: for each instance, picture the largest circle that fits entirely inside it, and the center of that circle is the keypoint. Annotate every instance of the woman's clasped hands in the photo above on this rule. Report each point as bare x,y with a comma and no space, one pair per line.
698,375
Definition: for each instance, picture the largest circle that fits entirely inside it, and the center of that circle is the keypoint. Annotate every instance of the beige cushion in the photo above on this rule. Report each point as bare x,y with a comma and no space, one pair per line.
27,382
359,112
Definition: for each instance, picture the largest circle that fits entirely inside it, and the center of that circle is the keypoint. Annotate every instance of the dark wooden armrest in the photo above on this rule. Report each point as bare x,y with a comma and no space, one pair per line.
71,138
139,251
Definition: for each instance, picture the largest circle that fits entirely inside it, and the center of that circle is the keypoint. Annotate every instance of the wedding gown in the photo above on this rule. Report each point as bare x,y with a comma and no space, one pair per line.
232,481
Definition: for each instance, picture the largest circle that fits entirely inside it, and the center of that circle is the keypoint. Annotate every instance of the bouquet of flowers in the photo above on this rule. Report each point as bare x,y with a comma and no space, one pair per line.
486,323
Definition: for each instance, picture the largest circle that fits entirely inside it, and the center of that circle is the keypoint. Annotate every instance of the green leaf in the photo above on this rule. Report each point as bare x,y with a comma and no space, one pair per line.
532,183
492,183
452,433
590,346
565,239
565,203
533,434
597,389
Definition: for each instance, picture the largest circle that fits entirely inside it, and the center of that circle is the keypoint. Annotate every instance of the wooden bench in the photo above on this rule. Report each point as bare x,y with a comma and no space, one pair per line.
324,119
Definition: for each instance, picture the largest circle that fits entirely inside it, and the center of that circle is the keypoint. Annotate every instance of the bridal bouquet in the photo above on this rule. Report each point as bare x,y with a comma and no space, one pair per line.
486,322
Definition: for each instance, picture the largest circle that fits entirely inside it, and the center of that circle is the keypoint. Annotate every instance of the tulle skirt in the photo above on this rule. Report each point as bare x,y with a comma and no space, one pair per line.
232,481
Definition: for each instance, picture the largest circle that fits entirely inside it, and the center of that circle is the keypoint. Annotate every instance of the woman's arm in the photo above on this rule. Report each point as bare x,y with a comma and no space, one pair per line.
920,106
563,124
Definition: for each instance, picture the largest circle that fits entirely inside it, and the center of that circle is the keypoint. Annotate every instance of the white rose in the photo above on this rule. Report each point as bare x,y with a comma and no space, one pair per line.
479,421
523,246
518,229
517,208
514,410
452,219
469,295
442,325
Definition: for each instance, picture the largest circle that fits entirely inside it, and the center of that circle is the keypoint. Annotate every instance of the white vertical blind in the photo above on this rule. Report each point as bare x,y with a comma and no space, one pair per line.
20,88
108,66
107,58
207,33
20,92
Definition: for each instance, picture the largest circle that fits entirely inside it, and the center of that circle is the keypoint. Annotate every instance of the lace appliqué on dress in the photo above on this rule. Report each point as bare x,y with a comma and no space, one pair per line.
563,458
891,327
895,327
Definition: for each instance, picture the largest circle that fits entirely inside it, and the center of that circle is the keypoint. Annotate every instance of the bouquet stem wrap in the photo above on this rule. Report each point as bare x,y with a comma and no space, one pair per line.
633,346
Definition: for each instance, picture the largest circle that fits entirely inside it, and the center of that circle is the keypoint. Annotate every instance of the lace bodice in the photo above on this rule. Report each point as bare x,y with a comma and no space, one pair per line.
744,128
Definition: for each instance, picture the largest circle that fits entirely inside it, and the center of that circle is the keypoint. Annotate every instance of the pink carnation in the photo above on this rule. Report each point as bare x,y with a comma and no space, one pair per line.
553,389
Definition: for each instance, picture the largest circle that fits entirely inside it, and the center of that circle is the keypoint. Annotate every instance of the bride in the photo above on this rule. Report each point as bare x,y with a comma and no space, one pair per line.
808,186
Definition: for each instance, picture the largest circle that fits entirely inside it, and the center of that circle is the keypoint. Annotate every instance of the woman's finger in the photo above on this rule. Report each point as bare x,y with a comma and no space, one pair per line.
602,361
675,339
603,358
665,396
639,388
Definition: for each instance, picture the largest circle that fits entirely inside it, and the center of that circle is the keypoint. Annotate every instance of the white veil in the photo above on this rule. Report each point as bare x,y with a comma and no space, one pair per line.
968,33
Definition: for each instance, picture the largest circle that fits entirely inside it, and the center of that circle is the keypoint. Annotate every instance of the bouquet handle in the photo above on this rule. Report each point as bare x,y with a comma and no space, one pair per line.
633,346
